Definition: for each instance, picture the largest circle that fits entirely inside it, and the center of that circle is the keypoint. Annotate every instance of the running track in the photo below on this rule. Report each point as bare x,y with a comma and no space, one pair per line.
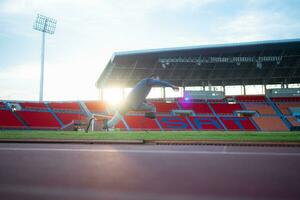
137,172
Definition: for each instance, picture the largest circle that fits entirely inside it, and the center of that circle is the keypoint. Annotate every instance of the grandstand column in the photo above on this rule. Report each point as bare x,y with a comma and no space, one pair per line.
163,92
183,90
101,94
264,88
244,89
123,93
224,89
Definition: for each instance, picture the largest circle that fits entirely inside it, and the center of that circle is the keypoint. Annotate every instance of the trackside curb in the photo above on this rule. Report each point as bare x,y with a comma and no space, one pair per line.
58,141
156,142
222,143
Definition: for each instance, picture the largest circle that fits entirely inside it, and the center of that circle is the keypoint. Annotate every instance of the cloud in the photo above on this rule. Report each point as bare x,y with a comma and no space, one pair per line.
258,25
19,82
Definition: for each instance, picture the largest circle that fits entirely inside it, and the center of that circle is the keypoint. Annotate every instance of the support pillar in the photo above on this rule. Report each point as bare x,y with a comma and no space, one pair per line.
101,94
164,92
123,93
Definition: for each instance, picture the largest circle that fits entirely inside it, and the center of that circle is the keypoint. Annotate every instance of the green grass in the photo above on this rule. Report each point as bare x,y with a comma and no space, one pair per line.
166,135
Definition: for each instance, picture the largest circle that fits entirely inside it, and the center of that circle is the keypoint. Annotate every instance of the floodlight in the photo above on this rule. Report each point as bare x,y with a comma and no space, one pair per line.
45,25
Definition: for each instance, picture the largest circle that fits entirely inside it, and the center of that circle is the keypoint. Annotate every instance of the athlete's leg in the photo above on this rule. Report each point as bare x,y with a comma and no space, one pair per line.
147,106
117,117
114,120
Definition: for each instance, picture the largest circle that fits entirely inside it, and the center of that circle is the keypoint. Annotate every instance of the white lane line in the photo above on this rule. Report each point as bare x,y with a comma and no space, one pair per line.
151,151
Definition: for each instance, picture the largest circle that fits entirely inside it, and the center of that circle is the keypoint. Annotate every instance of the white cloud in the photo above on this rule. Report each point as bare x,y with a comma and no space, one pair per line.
19,82
258,25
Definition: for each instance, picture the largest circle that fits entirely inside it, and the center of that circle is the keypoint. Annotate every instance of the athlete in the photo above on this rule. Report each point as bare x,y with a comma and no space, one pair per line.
136,99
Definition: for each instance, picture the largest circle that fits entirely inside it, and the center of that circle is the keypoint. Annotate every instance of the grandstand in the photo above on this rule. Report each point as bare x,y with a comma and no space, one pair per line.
257,63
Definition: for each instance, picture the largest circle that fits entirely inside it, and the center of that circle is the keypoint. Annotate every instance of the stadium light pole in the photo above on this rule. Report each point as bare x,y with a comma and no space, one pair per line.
45,25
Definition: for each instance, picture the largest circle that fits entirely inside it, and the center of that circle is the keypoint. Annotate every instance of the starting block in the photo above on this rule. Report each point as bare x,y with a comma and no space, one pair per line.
100,119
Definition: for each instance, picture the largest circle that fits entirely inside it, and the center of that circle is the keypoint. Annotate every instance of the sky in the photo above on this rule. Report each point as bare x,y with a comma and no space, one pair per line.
89,32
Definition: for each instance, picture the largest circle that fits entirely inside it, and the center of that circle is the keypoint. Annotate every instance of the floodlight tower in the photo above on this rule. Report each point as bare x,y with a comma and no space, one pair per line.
45,25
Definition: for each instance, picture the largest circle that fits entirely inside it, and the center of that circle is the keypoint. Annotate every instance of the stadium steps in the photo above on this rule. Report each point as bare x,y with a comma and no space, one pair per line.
279,113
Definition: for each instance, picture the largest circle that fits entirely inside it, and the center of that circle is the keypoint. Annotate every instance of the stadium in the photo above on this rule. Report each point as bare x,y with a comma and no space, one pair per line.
242,139
149,100
205,74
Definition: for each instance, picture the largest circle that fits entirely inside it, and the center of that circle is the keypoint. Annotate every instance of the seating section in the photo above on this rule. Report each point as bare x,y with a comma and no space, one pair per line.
198,108
96,106
250,98
225,108
206,123
8,120
284,107
71,106
33,105
261,108
39,120
174,123
67,118
138,123
270,123
164,107
209,115
238,123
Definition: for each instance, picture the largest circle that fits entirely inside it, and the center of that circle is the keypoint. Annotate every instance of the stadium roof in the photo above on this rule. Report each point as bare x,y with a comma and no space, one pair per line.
250,63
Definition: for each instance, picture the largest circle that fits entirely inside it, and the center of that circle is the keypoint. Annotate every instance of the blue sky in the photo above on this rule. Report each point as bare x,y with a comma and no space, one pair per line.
88,32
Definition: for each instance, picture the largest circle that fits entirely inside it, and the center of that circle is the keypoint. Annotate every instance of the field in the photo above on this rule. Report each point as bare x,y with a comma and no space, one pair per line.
165,135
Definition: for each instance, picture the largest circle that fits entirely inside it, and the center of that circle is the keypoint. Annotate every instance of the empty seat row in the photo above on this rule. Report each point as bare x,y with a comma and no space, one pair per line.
250,98
285,99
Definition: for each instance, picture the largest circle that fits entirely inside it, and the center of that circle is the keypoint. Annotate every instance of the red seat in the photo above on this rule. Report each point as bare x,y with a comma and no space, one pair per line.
199,108
174,123
261,108
250,98
225,108
163,107
8,120
67,118
95,106
284,106
139,123
270,124
238,123
206,123
39,120
285,99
